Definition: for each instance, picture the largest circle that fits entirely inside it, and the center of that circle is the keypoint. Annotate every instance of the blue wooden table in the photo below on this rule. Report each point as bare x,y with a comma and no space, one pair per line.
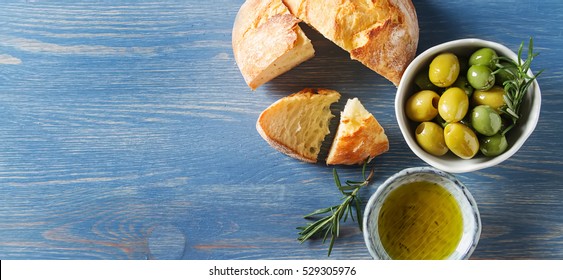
127,132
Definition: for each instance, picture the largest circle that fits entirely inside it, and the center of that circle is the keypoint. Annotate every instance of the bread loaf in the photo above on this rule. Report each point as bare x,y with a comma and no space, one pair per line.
381,34
359,136
296,125
267,41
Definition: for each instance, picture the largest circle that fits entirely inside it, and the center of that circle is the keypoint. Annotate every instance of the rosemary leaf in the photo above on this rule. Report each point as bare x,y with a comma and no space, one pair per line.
330,224
354,182
336,178
314,228
321,211
359,213
348,187
515,89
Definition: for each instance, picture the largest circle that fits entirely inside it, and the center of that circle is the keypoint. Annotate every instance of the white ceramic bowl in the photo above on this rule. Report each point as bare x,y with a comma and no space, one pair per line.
530,108
468,206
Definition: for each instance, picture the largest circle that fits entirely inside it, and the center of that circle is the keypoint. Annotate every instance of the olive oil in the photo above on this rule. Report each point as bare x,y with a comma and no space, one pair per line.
420,220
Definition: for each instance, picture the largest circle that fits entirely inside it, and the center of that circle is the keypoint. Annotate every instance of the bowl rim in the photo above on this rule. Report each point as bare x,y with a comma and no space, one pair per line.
531,122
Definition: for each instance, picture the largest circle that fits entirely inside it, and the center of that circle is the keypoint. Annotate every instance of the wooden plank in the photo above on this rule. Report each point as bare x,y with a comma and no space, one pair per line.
127,132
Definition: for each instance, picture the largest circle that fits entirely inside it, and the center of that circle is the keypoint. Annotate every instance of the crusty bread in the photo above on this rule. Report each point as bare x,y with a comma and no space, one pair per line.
359,136
381,34
267,41
296,125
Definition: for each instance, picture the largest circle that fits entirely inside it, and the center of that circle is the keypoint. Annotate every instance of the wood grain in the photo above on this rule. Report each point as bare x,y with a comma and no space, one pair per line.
127,132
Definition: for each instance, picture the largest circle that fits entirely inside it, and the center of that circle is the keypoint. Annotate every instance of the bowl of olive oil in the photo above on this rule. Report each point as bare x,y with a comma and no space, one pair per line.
422,213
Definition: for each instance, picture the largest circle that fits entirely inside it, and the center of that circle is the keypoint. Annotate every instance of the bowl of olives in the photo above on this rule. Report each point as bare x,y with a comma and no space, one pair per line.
468,104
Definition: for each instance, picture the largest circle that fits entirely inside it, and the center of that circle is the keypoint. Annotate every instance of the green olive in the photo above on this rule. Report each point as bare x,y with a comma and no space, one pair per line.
453,104
480,77
485,120
493,97
444,69
422,106
461,140
493,145
484,56
430,136
506,73
423,82
462,83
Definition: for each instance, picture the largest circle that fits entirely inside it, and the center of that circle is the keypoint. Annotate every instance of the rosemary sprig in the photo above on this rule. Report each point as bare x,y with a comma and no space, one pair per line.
517,85
330,224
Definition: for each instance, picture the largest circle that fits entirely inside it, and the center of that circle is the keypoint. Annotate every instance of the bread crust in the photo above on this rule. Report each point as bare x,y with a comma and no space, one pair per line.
381,34
264,33
367,142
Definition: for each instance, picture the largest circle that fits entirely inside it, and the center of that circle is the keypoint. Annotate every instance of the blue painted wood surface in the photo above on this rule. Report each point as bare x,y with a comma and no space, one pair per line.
127,132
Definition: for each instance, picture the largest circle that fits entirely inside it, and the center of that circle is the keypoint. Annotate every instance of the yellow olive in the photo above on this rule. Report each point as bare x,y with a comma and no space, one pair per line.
423,82
461,140
444,69
492,97
422,106
453,104
430,136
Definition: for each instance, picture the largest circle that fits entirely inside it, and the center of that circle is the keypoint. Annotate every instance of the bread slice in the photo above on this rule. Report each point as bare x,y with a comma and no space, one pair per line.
359,136
267,41
381,34
296,125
